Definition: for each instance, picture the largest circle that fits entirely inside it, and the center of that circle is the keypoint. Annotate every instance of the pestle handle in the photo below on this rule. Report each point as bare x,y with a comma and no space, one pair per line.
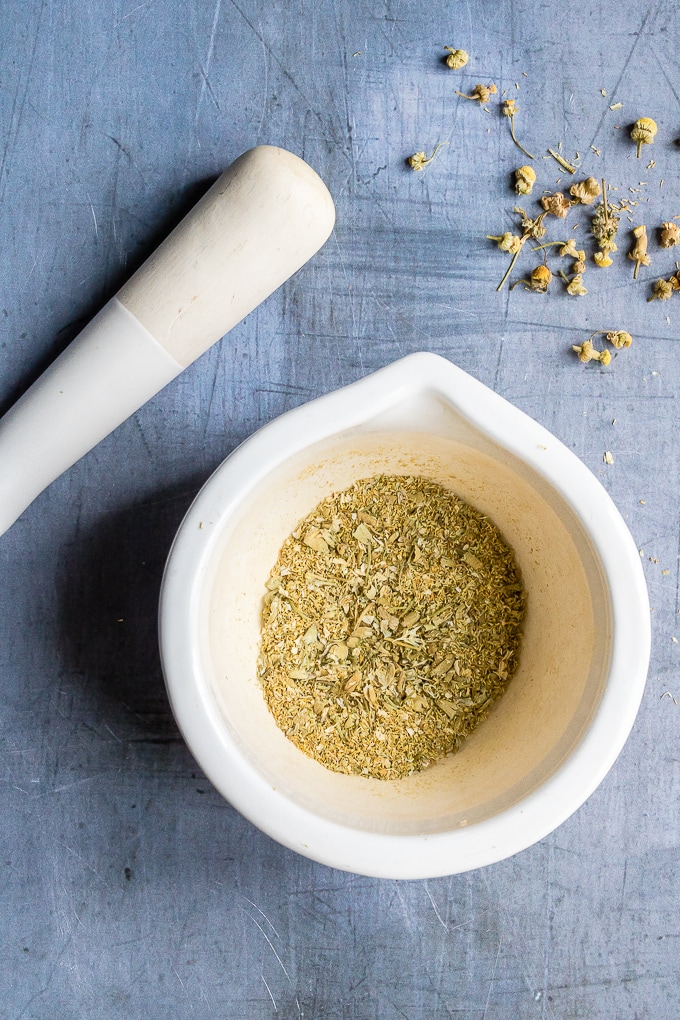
255,227
264,217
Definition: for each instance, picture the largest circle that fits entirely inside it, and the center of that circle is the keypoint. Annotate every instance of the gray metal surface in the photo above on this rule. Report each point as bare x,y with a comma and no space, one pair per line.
129,888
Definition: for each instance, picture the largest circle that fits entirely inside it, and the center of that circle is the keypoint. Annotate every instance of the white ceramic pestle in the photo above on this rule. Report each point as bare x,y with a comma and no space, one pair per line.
265,216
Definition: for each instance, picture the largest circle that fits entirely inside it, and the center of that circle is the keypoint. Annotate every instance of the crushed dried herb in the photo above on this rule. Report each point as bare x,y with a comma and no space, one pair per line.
391,624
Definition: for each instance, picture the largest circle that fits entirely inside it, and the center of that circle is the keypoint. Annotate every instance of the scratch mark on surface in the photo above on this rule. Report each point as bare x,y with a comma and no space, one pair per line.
404,908
668,80
205,67
276,1008
145,443
210,405
139,7
265,96
263,914
492,979
329,132
638,36
76,782
48,982
355,330
499,362
270,944
434,907
81,859
107,727
18,104
174,970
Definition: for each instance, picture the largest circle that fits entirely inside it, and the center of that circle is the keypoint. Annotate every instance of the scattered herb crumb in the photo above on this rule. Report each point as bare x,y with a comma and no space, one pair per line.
563,163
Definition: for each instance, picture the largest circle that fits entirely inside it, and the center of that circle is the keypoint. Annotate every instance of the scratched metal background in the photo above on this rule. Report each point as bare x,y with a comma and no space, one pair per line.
129,888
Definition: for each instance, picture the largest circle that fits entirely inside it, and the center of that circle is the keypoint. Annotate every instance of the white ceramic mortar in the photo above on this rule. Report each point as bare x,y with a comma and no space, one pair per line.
558,729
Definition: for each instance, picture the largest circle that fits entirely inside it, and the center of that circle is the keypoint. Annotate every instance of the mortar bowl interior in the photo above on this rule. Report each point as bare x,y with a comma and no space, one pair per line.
569,707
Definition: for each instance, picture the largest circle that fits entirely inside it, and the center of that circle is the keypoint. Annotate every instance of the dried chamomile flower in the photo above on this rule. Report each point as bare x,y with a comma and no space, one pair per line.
664,289
419,160
539,280
670,234
531,228
557,204
525,178
643,132
605,224
586,351
619,338
510,108
575,286
507,242
480,93
579,265
638,254
456,58
569,248
586,191
601,259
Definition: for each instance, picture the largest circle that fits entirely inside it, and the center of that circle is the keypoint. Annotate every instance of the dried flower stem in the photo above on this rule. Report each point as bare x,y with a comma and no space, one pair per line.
527,284
511,118
604,201
563,163
511,266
